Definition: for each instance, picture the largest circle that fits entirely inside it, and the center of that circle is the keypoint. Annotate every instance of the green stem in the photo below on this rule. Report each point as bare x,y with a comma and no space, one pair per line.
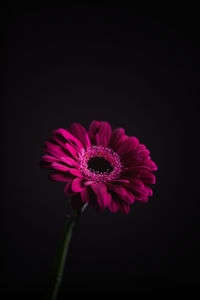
61,256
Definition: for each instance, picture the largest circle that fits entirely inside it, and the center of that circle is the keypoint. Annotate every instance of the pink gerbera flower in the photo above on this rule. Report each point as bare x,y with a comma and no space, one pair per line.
101,167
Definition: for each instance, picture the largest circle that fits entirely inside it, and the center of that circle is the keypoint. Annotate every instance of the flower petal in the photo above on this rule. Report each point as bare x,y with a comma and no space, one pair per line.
72,150
69,137
118,203
142,151
100,133
60,177
97,139
113,206
149,163
58,139
59,167
118,189
129,144
121,180
125,207
79,131
149,190
122,193
49,158
54,150
104,133
68,189
59,153
148,178
85,196
130,158
117,137
134,170
140,191
75,172
70,161
101,193
93,129
89,182
77,185
130,198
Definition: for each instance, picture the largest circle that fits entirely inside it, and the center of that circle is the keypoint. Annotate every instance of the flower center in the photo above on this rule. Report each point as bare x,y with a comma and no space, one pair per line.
99,164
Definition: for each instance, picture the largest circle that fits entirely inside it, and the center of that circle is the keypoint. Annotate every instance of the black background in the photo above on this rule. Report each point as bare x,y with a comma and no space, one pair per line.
136,68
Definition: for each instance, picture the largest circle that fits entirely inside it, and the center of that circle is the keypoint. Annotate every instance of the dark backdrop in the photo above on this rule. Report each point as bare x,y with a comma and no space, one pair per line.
137,69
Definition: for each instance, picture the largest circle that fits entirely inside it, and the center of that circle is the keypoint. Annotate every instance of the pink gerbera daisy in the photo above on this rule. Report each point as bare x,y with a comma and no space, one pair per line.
101,167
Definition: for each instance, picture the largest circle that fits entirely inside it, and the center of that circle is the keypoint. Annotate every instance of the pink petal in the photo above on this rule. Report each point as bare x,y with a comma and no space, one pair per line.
117,137
149,190
104,133
142,199
89,182
68,189
54,150
140,192
77,185
97,139
72,150
150,164
148,178
137,187
93,128
59,153
70,161
49,158
85,196
141,147
58,138
130,198
143,151
136,170
109,197
113,206
121,180
101,193
136,182
118,203
122,193
69,137
59,167
75,172
118,189
124,207
100,133
79,131
129,144
60,177
130,158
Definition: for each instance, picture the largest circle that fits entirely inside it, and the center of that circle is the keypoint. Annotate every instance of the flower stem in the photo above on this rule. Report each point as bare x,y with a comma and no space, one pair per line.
61,255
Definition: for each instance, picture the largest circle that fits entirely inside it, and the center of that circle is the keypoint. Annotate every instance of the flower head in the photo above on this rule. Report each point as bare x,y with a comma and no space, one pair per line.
101,167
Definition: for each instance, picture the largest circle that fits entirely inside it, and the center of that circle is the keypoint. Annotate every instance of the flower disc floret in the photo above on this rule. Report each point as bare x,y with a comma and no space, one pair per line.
107,155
